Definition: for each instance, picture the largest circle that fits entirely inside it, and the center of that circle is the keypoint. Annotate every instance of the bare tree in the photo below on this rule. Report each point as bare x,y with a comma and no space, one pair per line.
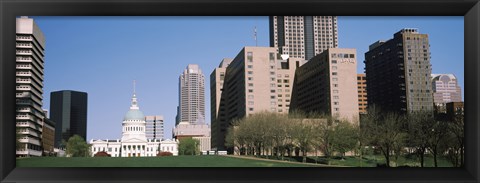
419,131
384,131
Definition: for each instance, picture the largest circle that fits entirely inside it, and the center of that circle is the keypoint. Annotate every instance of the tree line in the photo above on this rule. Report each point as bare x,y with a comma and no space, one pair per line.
390,134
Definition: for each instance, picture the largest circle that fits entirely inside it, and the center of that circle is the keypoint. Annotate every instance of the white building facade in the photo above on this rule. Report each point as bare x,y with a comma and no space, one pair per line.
134,142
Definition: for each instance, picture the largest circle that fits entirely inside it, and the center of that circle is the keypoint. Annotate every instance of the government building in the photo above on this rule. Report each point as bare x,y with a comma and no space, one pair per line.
134,142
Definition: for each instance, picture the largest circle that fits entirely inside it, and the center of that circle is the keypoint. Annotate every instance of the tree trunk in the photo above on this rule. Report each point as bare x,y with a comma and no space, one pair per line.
387,157
422,159
435,157
304,156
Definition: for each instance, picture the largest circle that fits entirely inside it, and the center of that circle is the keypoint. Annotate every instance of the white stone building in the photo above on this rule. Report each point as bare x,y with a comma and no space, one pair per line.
134,142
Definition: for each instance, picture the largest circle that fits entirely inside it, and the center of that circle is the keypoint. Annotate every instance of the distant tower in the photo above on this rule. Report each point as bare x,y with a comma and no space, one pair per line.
30,46
303,36
445,89
68,109
191,96
154,126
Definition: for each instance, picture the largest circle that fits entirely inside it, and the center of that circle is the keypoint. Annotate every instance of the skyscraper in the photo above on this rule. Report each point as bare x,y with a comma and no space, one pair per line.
191,96
154,127
445,89
256,80
303,36
327,84
30,47
399,73
68,109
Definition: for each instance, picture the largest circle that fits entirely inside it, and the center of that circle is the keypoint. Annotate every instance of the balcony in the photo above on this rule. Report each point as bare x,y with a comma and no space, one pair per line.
23,52
23,74
23,66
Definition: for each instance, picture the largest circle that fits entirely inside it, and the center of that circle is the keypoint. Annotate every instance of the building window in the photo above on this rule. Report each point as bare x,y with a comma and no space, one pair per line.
250,90
334,61
250,72
334,73
272,56
250,109
250,84
250,56
250,66
250,78
250,102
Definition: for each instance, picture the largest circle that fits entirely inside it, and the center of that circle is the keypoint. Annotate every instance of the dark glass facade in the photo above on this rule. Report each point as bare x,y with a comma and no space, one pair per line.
68,109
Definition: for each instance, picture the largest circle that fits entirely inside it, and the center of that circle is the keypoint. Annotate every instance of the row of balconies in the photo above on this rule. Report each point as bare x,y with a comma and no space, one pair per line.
24,45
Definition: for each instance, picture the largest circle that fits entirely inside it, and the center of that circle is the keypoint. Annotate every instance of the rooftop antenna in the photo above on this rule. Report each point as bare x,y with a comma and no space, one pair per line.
255,36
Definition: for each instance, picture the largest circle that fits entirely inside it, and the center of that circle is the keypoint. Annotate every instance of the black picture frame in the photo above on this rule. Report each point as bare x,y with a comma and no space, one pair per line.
10,9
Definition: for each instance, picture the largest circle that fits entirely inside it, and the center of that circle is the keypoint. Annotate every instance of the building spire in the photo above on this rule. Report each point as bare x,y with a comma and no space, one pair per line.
134,98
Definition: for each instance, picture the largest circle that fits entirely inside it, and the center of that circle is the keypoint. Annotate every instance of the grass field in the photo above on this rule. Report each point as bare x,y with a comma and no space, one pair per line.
170,161
370,161
218,161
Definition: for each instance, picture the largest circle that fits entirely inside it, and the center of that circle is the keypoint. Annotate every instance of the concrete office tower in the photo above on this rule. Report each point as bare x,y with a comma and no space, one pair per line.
217,78
303,36
362,93
192,96
68,109
30,47
327,84
256,80
154,127
445,89
399,73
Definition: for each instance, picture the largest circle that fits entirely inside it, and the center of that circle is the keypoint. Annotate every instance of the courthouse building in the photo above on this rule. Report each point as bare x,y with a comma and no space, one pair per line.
134,142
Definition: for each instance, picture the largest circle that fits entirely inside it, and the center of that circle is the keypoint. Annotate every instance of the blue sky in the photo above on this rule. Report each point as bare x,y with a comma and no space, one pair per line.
103,55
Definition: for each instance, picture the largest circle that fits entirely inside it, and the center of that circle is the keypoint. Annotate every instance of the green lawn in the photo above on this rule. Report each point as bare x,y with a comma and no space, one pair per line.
368,161
170,161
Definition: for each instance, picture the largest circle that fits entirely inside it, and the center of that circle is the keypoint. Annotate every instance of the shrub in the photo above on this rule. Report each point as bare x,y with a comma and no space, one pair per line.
164,154
102,154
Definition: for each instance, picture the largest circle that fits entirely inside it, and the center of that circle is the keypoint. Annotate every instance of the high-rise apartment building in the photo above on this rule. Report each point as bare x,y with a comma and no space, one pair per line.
191,96
362,93
154,128
399,73
445,89
257,80
303,36
217,78
327,84
30,47
68,109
